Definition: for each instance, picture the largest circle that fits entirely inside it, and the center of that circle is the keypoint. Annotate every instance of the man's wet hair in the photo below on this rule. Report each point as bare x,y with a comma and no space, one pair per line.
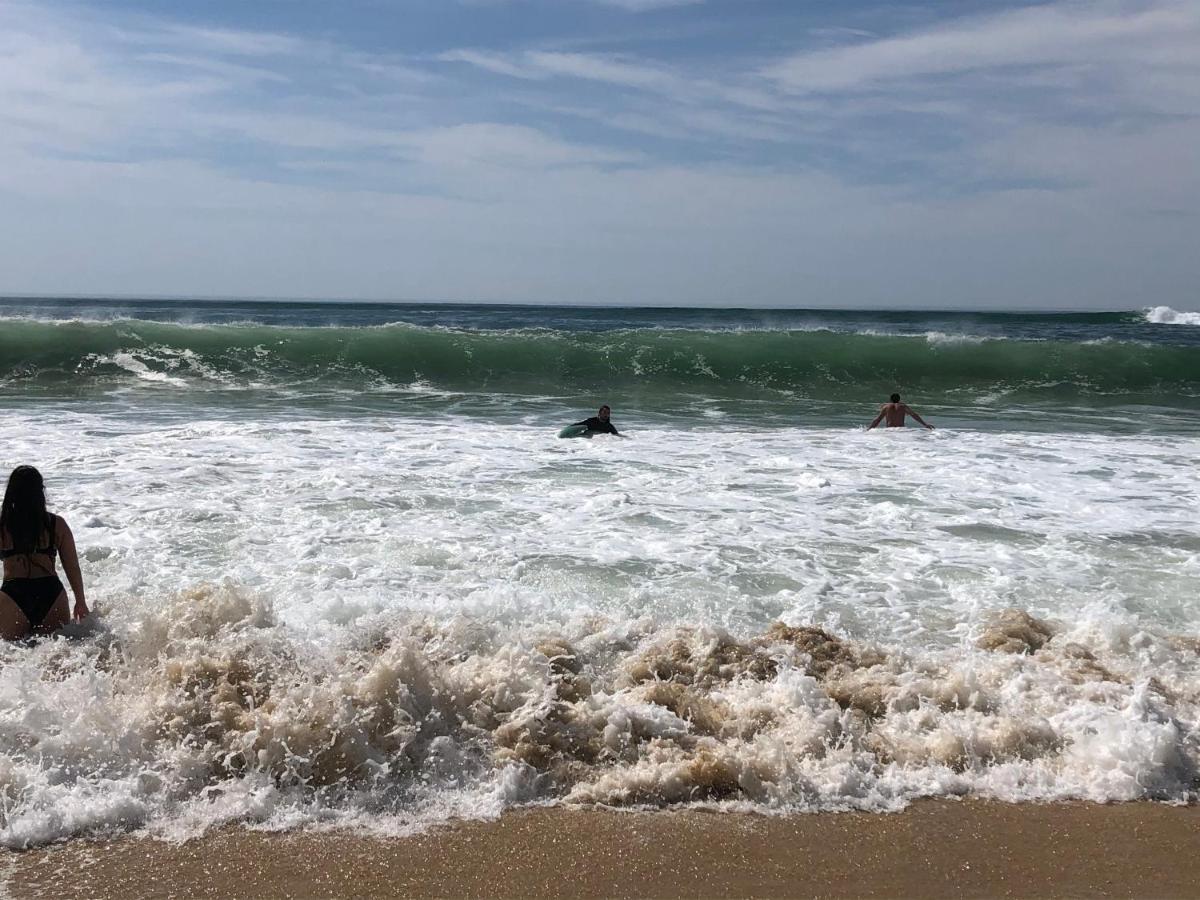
895,398
603,408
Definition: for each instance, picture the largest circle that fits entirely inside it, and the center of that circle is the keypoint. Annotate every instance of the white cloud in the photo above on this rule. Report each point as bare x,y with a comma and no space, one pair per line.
237,43
618,71
651,98
592,67
228,70
635,6
162,159
508,146
1051,35
499,64
648,5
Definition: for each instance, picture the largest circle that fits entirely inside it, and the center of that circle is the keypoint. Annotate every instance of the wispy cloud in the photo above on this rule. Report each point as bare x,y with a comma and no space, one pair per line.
618,71
635,6
974,156
507,146
257,44
647,5
497,63
1057,34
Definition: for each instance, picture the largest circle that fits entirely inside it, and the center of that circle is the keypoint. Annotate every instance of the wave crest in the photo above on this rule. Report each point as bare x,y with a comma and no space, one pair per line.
654,365
1164,315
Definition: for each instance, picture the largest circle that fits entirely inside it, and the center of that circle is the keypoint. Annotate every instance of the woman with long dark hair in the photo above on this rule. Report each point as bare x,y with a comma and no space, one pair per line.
31,597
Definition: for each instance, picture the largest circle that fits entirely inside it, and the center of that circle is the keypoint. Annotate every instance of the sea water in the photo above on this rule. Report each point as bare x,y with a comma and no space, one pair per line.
345,575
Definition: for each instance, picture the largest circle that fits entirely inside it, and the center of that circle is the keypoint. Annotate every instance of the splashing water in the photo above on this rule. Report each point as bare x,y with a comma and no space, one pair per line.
383,621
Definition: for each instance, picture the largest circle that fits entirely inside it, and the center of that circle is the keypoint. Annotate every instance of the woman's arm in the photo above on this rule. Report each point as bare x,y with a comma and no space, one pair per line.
70,562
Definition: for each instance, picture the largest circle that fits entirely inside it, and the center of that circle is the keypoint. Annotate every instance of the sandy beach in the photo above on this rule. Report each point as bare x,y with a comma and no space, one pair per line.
933,849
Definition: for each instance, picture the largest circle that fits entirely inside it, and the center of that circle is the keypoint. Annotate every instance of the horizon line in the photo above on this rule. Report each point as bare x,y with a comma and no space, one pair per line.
319,301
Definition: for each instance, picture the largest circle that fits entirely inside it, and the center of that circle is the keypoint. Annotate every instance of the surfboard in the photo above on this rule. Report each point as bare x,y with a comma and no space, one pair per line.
572,431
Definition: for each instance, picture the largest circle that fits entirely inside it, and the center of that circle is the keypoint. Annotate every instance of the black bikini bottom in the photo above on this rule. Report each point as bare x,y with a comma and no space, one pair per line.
34,596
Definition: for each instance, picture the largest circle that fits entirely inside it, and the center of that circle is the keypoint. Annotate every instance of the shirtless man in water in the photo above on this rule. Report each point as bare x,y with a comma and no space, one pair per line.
894,413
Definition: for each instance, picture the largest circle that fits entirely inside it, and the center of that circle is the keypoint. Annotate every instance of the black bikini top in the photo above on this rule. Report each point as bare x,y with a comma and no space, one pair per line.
49,551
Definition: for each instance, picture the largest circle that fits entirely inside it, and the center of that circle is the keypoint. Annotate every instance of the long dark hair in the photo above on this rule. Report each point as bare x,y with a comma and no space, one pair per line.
23,516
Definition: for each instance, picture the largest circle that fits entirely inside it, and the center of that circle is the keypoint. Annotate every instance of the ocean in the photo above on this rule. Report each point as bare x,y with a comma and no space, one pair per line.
345,575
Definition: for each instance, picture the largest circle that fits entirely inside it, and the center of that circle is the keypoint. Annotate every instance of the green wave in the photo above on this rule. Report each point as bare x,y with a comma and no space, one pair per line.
816,364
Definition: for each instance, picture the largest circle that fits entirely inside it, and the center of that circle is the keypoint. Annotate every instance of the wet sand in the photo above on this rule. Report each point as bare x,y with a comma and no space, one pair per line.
934,849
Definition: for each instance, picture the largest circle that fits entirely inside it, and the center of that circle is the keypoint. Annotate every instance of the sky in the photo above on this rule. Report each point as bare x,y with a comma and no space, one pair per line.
794,153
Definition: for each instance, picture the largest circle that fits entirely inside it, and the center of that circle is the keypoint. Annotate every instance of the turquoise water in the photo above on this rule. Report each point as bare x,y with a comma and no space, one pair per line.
1125,371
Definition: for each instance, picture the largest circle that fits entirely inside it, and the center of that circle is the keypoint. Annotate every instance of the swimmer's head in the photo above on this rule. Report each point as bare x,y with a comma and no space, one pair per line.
895,398
604,413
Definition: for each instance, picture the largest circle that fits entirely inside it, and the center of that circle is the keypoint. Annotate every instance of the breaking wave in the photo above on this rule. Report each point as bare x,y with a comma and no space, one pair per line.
651,363
207,710
1164,315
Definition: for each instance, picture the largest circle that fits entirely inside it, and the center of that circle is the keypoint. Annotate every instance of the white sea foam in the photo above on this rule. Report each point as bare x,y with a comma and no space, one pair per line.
941,337
382,623
1164,315
164,365
135,366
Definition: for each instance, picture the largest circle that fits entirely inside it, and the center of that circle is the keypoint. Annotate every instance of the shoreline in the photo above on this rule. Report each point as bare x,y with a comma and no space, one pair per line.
934,848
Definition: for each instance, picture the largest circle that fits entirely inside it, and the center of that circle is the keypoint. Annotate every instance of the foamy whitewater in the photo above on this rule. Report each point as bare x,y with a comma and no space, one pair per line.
338,597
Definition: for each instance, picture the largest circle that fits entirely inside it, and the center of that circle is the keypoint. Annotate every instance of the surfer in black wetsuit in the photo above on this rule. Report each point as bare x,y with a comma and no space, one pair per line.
599,423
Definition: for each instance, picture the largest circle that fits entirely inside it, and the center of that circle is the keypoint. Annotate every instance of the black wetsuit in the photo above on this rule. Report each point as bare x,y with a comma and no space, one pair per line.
35,596
598,425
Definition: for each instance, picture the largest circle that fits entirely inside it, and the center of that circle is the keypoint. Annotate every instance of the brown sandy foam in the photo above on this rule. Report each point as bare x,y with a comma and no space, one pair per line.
933,849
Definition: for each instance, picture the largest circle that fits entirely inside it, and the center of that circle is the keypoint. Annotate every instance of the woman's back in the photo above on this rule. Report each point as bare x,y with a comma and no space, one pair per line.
30,561
32,541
